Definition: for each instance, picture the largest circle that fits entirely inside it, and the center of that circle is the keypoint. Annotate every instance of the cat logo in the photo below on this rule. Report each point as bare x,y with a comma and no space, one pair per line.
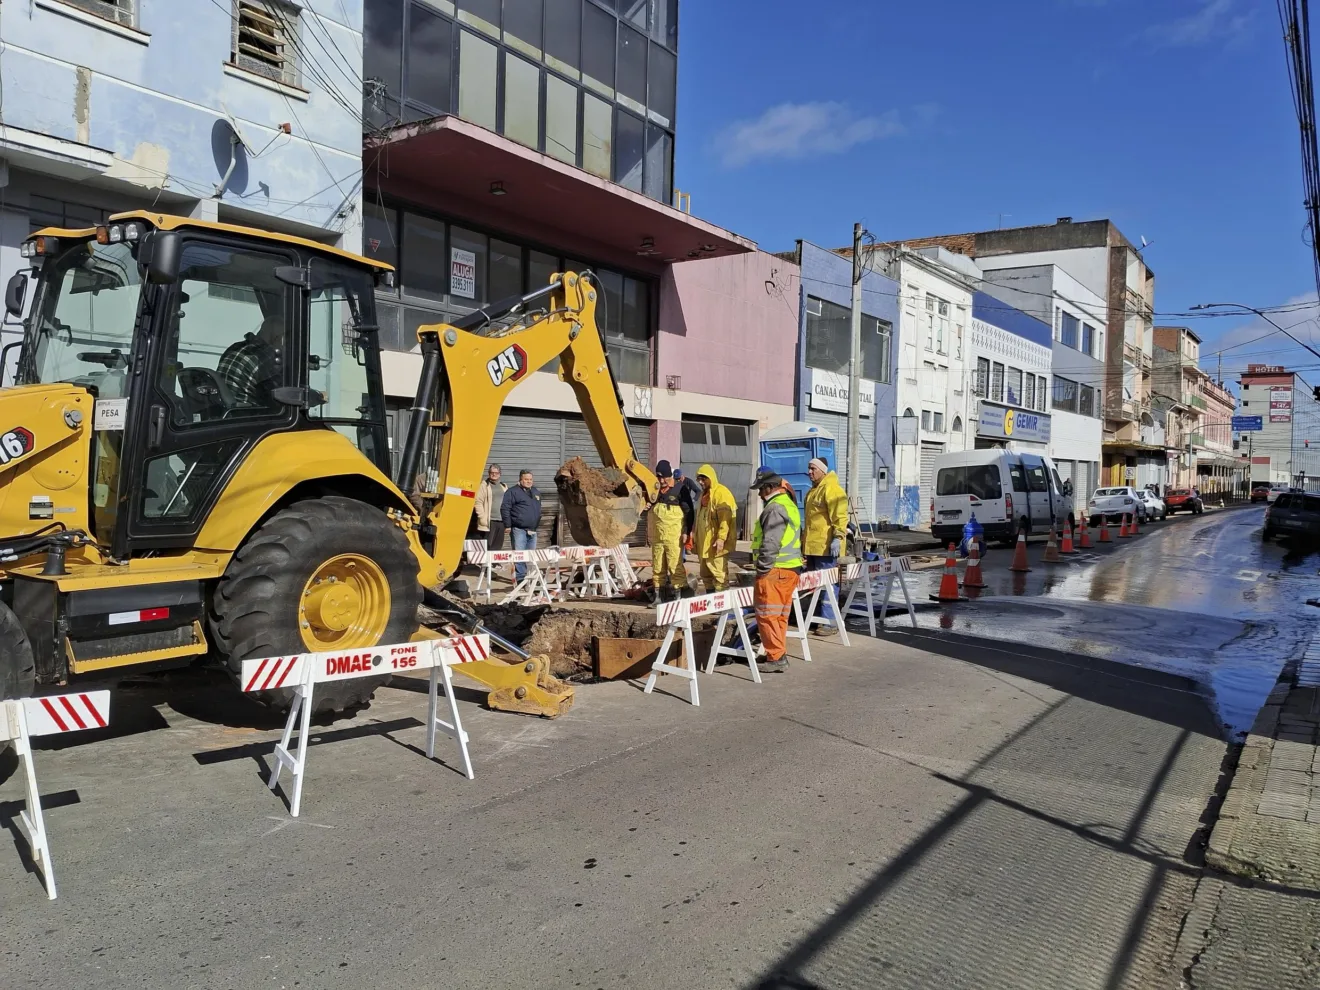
508,365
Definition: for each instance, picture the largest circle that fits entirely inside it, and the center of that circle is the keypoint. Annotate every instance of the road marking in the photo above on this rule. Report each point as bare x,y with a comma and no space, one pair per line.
1247,575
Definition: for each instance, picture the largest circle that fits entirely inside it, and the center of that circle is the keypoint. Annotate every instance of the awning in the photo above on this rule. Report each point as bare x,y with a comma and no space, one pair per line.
468,172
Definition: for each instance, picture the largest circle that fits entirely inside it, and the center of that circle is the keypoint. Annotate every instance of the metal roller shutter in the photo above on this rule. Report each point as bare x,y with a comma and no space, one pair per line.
535,442
728,447
837,424
929,451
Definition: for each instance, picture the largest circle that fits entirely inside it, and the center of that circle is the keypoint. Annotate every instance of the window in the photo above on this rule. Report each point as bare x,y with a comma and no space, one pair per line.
177,483
941,325
522,26
382,60
522,101
429,56
632,68
1013,386
484,15
1018,475
997,382
264,39
925,419
1086,400
1065,394
957,341
229,342
958,426
693,432
380,240
1037,479
563,35
659,163
633,11
1029,394
630,151
597,136
468,267
1068,329
598,49
561,111
1088,339
506,277
477,62
829,348
938,419
661,88
664,22
979,481
981,384
425,262
930,323
119,11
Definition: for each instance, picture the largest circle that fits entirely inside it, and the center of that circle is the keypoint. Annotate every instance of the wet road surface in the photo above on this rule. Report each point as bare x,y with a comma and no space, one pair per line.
1199,596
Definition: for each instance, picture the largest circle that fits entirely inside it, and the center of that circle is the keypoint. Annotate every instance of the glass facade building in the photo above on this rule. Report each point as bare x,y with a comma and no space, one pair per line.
589,82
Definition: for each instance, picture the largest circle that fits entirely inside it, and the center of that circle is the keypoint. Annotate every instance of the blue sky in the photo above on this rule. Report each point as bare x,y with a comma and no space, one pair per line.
1171,117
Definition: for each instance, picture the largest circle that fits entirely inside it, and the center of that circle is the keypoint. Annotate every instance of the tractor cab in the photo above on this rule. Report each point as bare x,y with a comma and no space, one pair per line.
194,341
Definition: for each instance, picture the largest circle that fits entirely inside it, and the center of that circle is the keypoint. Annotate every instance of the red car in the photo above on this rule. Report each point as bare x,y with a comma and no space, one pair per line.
1183,499
1260,493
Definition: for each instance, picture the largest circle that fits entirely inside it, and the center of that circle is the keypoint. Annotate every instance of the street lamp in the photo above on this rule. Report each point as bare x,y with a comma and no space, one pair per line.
1253,309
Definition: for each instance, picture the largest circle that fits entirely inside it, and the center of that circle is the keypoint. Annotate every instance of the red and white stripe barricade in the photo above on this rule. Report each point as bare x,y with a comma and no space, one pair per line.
865,576
22,719
590,568
821,585
677,616
625,575
302,672
799,627
533,588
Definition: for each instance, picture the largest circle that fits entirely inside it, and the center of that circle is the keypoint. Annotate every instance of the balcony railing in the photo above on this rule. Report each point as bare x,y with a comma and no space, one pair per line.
1196,439
1196,402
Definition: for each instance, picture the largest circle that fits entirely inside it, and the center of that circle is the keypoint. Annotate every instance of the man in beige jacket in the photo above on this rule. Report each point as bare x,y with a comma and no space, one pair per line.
487,505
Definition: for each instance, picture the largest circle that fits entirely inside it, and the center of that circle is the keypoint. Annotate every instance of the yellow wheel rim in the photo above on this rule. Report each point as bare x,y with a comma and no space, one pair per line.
345,604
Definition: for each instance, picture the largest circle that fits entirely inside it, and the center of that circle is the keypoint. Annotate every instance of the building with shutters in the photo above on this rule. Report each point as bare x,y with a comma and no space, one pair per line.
825,349
116,105
511,139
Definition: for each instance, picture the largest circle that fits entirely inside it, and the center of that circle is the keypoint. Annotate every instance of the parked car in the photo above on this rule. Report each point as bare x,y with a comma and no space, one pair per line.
1007,489
1155,507
1293,514
1183,500
1114,503
1277,489
1260,493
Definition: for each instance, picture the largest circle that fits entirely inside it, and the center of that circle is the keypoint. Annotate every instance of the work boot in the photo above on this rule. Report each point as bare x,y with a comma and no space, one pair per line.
823,631
768,666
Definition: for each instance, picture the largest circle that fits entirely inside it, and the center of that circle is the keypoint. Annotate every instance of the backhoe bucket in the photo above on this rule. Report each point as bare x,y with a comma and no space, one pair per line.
598,508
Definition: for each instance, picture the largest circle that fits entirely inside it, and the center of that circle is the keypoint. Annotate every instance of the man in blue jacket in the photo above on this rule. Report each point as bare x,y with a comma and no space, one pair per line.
521,513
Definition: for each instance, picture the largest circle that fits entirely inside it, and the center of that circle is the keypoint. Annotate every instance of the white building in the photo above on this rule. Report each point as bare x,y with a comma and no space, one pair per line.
1076,319
1008,357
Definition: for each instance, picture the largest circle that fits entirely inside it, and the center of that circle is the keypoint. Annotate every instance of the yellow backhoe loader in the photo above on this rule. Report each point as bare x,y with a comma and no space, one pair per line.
194,459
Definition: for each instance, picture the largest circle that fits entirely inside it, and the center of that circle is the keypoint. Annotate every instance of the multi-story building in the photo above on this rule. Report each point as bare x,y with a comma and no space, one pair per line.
823,381
237,110
1076,320
932,386
1281,450
1218,470
510,140
1097,255
1177,402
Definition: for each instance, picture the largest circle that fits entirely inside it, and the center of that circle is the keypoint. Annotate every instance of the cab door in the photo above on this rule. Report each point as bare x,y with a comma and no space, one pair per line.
223,344
1039,492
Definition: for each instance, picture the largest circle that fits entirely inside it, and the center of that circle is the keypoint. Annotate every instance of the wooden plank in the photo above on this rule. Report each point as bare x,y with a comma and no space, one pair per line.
630,659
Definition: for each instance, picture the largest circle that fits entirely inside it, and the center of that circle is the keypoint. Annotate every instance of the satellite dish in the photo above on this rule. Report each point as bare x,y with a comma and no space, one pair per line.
237,130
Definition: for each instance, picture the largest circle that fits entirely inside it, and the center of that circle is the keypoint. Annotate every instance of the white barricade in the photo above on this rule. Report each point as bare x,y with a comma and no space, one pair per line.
621,567
677,616
821,584
470,549
20,720
589,564
798,629
864,576
533,588
302,672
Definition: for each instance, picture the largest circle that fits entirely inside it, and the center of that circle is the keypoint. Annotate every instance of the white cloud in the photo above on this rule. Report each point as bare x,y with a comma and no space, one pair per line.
1213,20
802,130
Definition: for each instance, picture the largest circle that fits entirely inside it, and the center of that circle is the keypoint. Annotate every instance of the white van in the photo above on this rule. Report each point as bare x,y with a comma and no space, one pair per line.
1007,490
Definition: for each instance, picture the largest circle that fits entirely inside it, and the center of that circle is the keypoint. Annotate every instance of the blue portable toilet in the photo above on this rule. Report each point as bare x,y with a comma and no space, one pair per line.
789,448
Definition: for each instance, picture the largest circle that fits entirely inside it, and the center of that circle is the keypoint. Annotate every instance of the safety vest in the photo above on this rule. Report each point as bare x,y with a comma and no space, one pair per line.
790,548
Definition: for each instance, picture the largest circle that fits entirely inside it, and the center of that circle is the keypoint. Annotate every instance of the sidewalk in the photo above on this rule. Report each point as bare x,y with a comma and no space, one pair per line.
1256,924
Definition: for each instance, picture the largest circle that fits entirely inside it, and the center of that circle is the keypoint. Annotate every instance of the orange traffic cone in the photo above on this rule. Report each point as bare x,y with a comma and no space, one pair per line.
949,582
1052,548
973,579
1020,553
1123,529
1067,545
1085,543
1104,530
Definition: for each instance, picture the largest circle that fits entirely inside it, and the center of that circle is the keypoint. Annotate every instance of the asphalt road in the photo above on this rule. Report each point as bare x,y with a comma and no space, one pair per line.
922,810
1201,596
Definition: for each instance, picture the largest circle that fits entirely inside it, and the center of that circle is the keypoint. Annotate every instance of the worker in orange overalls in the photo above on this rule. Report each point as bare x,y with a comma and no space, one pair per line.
777,555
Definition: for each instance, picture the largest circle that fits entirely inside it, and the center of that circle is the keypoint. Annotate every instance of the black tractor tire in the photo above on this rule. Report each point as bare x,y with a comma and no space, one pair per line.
18,665
254,609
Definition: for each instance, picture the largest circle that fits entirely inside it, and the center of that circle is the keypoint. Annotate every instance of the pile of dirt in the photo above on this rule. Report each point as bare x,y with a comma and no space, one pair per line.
601,482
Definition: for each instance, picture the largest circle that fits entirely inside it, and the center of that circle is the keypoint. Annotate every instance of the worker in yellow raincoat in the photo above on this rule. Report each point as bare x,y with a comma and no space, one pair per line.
715,532
665,530
824,529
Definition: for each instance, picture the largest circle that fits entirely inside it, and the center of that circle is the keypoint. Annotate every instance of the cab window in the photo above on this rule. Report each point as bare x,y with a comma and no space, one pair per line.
1037,480
1019,476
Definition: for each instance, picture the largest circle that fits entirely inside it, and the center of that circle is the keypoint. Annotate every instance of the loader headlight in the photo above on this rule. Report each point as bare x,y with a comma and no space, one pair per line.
132,231
116,233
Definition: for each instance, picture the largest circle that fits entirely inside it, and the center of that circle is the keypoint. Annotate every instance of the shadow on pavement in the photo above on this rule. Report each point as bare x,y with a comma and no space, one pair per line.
259,750
9,821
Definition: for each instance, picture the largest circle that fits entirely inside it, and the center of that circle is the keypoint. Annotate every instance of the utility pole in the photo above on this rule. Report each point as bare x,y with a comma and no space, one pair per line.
855,374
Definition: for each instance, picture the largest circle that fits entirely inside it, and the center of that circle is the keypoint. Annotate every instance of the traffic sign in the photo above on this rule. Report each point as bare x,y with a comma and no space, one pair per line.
1246,424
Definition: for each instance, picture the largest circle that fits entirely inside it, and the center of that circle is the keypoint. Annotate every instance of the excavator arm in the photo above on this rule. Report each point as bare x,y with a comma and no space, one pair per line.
468,371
